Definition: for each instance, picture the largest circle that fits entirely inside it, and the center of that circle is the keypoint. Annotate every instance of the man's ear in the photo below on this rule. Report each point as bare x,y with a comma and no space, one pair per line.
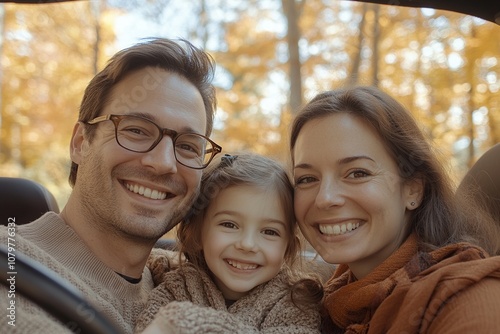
414,189
79,143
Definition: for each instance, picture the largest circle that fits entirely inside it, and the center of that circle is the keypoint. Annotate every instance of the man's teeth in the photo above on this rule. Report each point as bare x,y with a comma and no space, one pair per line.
243,266
338,229
146,192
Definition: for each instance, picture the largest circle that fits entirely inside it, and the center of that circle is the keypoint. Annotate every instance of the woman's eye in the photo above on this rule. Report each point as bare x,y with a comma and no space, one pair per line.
359,173
304,180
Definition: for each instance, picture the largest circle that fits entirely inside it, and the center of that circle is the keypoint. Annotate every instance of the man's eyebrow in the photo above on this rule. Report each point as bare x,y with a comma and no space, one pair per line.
154,119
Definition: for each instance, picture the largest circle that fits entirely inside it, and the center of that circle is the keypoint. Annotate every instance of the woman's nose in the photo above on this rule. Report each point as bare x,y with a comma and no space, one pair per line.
331,193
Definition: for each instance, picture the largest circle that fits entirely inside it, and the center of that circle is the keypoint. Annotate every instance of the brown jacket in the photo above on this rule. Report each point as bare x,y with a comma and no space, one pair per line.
454,289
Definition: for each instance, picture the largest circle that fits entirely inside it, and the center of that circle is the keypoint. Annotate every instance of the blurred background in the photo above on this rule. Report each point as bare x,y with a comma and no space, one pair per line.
272,56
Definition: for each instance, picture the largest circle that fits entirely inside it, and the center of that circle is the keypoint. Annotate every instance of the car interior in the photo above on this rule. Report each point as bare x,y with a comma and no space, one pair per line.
27,200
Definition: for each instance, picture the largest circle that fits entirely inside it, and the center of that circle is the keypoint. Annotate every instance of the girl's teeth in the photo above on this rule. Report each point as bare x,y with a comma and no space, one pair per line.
243,266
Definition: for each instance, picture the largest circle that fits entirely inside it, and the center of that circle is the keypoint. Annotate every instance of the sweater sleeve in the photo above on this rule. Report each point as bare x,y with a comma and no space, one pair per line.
474,310
20,314
188,318
160,262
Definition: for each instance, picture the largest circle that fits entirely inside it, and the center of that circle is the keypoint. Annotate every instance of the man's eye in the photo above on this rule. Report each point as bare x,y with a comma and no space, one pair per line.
188,147
130,131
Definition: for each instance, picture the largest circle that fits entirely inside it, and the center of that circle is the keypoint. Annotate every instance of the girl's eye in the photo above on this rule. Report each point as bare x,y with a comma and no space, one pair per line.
358,173
228,224
271,232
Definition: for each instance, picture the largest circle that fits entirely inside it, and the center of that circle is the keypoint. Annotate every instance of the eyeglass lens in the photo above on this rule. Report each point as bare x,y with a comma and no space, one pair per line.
140,135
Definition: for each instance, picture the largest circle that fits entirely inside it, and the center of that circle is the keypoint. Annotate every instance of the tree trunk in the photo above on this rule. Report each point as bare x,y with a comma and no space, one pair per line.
293,36
96,13
375,44
353,74
471,55
2,34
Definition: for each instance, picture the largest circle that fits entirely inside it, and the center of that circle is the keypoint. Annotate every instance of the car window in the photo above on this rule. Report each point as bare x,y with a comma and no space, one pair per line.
271,58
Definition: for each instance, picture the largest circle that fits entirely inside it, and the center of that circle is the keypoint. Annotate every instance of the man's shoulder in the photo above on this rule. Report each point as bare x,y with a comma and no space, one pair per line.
31,237
48,220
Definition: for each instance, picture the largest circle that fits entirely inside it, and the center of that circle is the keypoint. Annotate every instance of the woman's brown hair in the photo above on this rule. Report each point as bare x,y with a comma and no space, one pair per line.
440,219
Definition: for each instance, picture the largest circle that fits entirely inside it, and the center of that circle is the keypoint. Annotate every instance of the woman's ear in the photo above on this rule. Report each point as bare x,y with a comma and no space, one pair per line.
78,144
414,190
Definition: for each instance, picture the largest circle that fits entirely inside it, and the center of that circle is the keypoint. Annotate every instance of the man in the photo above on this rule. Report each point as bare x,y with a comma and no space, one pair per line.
137,153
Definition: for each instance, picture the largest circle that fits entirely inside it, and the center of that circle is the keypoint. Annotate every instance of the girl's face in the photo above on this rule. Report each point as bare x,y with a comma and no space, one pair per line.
244,238
350,201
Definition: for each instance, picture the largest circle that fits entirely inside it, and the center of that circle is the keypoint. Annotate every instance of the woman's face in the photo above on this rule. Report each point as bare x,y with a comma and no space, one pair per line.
350,201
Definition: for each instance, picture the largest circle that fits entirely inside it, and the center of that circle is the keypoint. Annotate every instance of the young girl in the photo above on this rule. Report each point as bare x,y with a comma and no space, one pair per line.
240,244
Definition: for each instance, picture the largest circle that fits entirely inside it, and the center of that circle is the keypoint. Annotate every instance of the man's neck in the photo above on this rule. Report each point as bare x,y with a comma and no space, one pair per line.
125,256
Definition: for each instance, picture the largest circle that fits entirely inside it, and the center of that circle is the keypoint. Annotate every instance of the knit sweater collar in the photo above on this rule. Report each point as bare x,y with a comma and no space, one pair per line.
52,235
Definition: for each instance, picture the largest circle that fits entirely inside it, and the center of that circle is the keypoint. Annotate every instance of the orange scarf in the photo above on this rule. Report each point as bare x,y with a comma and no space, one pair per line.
407,281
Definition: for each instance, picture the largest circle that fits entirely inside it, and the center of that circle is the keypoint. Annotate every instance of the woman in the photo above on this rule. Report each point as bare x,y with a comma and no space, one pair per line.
371,196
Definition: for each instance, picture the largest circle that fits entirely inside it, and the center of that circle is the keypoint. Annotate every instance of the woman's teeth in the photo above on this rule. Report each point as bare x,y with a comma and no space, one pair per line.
337,229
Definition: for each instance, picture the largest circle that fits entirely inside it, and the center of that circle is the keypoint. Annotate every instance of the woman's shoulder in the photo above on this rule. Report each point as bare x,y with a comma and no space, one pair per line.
475,308
454,259
445,295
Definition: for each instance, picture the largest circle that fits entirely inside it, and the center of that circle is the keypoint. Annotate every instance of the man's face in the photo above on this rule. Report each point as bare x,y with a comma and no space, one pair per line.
140,195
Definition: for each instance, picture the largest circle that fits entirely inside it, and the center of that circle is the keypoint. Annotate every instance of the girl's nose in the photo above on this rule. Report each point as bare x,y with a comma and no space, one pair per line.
247,241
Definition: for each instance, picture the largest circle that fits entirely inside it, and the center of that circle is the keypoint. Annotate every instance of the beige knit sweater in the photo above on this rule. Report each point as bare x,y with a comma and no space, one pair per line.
51,242
189,302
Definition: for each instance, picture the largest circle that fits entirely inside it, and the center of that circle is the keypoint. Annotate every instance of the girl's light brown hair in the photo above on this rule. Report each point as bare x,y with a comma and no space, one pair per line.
242,169
263,172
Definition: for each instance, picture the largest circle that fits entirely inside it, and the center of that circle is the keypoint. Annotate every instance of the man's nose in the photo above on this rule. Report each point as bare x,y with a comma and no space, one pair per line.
162,157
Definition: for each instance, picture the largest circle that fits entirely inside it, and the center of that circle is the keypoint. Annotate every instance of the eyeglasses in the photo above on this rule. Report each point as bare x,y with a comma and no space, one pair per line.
139,134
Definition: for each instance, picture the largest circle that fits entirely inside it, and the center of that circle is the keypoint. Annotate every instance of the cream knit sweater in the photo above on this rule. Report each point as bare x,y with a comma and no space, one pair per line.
51,242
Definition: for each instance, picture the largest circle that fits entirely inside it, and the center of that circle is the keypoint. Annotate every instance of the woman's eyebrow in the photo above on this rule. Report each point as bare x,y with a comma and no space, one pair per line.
347,160
342,161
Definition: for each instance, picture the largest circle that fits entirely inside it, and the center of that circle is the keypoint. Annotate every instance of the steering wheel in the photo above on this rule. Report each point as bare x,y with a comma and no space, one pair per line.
52,293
